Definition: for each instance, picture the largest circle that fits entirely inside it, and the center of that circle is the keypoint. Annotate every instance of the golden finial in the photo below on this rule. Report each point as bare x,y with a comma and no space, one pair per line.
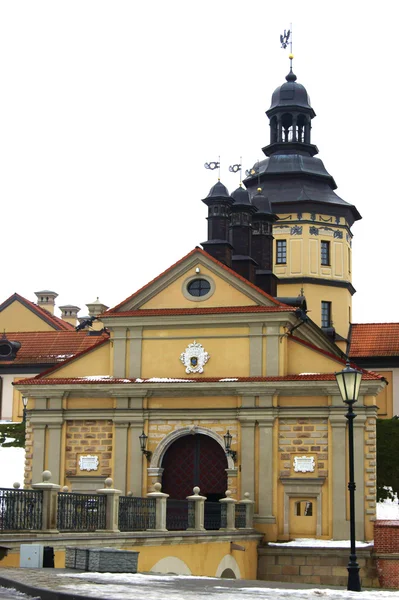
259,190
290,56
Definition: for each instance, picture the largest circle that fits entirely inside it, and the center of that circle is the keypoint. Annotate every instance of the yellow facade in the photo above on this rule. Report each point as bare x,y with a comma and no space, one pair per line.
16,317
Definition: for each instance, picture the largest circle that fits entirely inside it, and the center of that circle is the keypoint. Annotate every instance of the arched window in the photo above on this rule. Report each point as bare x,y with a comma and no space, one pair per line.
273,130
301,123
286,123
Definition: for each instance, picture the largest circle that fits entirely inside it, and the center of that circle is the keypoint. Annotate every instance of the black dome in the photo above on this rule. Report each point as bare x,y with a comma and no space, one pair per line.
262,203
218,190
290,93
241,196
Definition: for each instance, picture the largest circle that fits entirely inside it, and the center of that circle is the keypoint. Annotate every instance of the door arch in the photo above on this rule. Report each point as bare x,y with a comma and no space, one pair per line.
194,460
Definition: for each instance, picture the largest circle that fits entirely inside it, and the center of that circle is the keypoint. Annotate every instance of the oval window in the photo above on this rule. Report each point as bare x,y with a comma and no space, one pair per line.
198,287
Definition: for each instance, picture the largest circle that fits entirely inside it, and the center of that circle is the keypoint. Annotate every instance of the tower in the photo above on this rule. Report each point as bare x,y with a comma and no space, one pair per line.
219,203
262,243
241,234
312,248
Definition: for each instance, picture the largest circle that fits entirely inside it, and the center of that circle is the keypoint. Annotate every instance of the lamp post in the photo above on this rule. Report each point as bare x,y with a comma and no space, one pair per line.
143,444
227,444
348,382
25,403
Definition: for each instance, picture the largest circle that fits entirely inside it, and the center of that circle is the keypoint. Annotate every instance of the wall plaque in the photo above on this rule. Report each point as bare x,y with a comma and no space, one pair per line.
88,463
304,464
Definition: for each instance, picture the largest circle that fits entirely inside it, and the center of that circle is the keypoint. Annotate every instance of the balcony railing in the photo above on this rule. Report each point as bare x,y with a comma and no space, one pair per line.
81,512
136,514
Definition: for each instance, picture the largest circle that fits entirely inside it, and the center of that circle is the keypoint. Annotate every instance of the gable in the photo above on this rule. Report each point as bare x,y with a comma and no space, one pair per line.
223,293
17,317
302,358
169,289
90,363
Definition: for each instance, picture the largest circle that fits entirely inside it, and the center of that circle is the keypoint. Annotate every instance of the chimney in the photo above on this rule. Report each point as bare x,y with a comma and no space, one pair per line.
70,313
95,309
46,300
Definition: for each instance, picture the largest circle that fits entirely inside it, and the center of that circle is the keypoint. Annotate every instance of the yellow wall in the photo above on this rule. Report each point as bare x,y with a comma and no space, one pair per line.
304,260
225,294
385,398
16,317
302,359
200,558
229,355
96,362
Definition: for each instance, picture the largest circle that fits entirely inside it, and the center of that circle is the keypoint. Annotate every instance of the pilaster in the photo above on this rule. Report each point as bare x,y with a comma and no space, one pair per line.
121,451
359,449
272,350
338,477
136,459
265,473
248,457
54,450
119,344
136,343
255,350
39,433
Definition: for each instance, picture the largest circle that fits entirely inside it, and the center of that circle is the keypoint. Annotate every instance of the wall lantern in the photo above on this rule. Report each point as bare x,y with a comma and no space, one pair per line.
348,382
227,444
25,403
143,443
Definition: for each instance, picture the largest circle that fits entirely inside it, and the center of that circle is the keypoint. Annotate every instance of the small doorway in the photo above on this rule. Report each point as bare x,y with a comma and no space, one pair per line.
303,517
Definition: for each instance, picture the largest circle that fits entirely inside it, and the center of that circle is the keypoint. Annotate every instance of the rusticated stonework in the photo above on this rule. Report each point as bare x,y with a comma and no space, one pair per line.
28,455
88,437
303,436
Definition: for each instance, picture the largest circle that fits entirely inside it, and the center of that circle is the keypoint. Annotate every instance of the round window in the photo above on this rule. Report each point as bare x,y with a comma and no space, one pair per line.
198,287
5,350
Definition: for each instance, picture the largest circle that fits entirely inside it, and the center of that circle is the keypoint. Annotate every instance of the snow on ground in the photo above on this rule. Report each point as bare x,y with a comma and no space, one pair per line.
124,586
12,594
311,542
12,462
388,509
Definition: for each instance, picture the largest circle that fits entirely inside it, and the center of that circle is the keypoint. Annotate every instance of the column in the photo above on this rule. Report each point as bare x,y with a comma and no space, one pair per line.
248,457
54,450
120,458
272,351
338,480
255,350
38,431
265,474
136,342
119,344
359,450
136,459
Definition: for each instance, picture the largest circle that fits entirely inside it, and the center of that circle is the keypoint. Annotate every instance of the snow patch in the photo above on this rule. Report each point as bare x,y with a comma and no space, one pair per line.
310,542
229,379
309,373
388,509
95,377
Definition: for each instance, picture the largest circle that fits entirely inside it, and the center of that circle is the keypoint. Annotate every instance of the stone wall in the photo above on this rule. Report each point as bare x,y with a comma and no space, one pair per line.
303,436
325,566
89,437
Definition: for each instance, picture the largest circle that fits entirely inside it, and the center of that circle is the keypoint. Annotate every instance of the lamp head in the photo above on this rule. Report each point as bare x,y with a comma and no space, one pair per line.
348,382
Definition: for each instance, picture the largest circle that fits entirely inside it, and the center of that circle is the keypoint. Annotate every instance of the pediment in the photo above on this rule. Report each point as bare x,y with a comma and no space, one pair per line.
174,288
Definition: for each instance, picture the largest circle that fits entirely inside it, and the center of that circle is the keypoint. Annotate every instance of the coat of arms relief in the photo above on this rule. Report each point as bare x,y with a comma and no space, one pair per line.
194,358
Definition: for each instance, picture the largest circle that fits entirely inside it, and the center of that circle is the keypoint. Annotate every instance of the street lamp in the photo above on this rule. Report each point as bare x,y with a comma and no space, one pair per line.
348,382
25,403
227,444
143,443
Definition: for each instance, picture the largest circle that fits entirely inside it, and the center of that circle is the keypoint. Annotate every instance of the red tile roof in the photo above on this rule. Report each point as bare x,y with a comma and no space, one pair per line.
50,347
39,380
201,310
196,250
374,339
55,322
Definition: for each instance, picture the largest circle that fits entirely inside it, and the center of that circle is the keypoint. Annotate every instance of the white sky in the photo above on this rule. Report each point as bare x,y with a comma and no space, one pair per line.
108,111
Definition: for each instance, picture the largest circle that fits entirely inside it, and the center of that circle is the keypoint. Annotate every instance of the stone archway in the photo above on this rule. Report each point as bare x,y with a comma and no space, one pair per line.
157,457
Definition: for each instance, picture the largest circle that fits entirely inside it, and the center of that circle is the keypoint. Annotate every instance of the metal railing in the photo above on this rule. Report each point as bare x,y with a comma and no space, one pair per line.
241,516
177,514
212,515
20,510
136,514
81,512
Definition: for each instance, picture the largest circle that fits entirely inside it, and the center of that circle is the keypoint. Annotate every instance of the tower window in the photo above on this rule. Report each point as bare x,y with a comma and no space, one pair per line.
198,287
281,252
325,314
325,253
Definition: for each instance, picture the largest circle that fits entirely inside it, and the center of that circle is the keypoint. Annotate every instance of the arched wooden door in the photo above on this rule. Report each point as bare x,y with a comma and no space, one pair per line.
195,460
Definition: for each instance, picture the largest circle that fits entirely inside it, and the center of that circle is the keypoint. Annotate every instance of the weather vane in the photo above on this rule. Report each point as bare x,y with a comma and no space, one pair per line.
236,169
285,40
213,165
